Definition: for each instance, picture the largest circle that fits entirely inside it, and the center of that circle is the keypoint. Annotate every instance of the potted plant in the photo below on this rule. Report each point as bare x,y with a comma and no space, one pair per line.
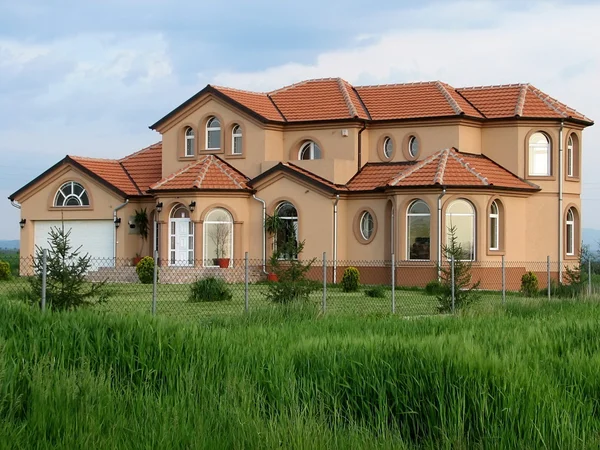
140,220
220,235
273,224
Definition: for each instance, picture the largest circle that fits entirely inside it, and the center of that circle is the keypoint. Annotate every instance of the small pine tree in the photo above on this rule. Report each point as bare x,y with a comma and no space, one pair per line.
465,292
66,285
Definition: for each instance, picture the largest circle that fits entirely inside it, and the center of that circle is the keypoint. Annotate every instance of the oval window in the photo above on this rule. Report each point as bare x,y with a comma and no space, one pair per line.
367,225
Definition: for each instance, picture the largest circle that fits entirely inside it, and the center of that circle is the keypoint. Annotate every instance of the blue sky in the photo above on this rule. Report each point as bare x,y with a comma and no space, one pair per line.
87,78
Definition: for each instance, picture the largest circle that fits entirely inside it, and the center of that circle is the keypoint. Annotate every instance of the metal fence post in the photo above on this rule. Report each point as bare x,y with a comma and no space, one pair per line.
548,276
503,281
44,273
590,276
246,303
393,283
452,280
324,305
154,282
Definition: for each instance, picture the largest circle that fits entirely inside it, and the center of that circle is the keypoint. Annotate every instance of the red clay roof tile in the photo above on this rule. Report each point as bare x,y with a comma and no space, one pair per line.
110,171
258,102
209,172
445,168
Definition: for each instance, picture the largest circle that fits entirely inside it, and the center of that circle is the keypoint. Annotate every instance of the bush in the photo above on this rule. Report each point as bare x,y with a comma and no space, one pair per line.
529,284
210,290
375,292
145,270
5,273
433,288
351,280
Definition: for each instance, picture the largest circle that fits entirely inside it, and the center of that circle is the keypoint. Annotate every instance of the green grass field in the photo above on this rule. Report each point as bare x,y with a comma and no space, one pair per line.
515,377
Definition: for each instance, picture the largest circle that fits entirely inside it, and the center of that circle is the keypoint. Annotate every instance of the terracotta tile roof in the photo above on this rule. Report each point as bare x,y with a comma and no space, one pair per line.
445,168
144,166
209,172
258,102
414,100
517,100
111,171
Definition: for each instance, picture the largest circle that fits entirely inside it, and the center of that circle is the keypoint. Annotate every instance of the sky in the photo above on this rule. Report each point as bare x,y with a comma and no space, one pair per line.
88,77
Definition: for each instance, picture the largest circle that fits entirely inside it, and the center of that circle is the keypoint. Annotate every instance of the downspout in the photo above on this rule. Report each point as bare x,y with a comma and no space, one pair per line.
264,232
560,199
393,227
335,236
122,205
439,232
364,125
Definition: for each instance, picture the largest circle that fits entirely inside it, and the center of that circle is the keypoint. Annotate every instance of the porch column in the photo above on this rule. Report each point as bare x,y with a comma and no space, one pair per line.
238,243
198,243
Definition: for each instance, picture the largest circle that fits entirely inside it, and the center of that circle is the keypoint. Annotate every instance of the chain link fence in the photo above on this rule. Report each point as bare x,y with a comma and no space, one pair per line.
203,289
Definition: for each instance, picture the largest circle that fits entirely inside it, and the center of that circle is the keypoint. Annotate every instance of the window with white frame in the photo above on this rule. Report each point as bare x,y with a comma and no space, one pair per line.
286,238
189,142
367,225
388,147
309,150
413,146
570,156
236,140
494,226
570,232
460,218
213,134
71,194
418,224
218,236
539,155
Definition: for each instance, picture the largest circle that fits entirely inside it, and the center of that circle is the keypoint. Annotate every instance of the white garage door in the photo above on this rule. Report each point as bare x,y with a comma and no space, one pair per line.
94,236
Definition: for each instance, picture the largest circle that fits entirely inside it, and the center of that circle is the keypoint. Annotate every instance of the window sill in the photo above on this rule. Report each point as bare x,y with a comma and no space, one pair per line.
572,179
70,208
491,252
230,156
541,177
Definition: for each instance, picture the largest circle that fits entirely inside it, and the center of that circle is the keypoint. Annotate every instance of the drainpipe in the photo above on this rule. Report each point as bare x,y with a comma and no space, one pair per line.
439,233
393,227
560,199
264,232
335,236
364,125
122,205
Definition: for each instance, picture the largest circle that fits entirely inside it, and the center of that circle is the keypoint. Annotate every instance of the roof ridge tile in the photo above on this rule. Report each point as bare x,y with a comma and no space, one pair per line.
300,83
538,92
410,83
441,168
226,169
91,158
204,170
176,173
521,100
453,104
346,95
491,86
150,147
467,166
243,91
413,169
546,99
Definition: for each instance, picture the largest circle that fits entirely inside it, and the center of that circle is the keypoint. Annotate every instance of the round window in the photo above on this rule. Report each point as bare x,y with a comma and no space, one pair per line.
413,146
388,147
367,225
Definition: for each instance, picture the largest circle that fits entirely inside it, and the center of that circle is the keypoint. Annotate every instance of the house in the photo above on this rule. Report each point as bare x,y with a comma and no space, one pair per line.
358,172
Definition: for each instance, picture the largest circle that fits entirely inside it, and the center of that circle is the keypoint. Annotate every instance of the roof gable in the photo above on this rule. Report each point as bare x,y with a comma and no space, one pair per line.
299,173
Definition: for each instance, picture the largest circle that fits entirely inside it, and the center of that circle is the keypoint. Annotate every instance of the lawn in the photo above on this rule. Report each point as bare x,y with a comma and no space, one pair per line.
172,300
518,376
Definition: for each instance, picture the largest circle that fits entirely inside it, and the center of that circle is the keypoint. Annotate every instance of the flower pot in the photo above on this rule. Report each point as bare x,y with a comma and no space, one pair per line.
223,263
272,277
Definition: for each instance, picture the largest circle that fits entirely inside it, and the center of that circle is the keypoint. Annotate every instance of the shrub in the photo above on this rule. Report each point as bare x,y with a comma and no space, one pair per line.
209,290
433,288
375,292
145,270
5,273
529,284
66,285
351,280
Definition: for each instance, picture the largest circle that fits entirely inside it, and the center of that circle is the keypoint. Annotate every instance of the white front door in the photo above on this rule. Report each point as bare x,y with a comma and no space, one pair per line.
181,248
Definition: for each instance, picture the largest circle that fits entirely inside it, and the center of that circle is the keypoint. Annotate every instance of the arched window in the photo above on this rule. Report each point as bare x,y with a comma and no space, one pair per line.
213,134
189,142
181,237
570,232
418,218
236,140
218,236
286,240
388,147
539,155
71,194
309,150
570,156
494,226
413,146
367,225
460,222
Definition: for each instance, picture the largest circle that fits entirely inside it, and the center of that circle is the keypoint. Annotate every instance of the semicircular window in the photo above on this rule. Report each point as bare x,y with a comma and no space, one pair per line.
71,194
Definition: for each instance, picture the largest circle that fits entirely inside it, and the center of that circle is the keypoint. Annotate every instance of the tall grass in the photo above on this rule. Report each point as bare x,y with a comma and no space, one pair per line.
520,377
